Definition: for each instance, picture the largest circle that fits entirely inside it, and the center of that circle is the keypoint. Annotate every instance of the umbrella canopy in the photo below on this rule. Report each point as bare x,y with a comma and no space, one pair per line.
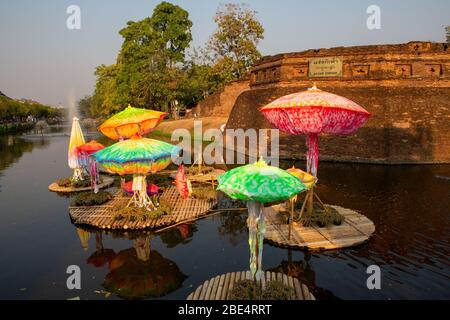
260,182
307,179
85,150
90,147
257,184
136,156
313,112
76,140
131,121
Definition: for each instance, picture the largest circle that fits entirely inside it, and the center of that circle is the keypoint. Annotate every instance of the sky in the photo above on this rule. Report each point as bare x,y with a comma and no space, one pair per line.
41,59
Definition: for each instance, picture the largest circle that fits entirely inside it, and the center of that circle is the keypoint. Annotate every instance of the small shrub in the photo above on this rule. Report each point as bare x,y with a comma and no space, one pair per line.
87,199
319,216
249,290
136,213
204,193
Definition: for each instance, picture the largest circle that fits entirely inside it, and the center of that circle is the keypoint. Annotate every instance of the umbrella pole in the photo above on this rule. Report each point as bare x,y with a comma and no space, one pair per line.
303,205
312,163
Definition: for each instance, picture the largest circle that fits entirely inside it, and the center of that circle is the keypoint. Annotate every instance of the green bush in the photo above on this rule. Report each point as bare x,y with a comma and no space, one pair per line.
250,290
86,199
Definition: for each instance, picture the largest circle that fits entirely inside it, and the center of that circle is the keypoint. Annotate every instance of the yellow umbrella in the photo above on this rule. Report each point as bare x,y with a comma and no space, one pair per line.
76,140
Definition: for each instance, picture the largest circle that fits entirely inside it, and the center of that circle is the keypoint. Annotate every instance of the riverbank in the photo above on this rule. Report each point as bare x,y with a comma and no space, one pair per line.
8,128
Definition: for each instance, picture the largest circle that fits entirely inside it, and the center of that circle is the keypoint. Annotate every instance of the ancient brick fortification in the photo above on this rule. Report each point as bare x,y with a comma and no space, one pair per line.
221,102
406,87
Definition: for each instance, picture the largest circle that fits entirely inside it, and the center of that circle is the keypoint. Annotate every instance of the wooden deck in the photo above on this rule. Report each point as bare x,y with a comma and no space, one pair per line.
220,287
103,216
354,230
54,187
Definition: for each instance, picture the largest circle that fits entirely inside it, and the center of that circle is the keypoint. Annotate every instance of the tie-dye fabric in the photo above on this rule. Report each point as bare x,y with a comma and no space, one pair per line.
260,182
315,111
131,121
136,156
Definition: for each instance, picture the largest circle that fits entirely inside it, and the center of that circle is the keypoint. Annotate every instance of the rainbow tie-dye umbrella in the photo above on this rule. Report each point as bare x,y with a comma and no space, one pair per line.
139,157
257,184
76,140
130,122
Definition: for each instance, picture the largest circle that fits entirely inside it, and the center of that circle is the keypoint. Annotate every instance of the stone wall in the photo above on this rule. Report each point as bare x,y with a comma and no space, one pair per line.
405,87
221,102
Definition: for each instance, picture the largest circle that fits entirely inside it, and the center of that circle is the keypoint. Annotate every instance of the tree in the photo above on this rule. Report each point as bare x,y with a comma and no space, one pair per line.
84,106
147,72
173,27
103,100
234,44
447,33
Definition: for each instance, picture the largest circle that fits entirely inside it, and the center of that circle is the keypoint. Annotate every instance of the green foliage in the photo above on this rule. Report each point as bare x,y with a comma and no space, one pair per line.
249,290
319,216
86,199
11,109
234,44
447,33
70,183
140,214
151,70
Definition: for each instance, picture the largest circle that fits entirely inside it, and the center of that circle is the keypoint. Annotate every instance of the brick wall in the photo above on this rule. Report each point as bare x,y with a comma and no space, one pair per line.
221,102
405,87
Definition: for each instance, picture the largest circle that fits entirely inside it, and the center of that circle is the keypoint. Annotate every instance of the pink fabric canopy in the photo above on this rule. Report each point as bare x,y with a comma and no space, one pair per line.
313,112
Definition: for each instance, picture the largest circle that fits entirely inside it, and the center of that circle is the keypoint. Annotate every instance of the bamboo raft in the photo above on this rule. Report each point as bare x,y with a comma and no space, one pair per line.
354,230
103,216
106,182
220,287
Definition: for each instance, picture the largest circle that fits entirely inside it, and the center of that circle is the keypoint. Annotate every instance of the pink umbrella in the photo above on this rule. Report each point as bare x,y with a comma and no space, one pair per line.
313,112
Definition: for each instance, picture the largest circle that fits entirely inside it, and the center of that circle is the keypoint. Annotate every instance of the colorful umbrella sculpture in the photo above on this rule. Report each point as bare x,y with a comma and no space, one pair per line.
83,152
257,184
76,140
130,122
139,157
308,180
182,183
313,112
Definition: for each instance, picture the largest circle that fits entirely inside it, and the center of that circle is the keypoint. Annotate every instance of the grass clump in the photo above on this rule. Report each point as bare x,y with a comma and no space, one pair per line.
204,193
319,216
249,290
140,214
70,183
87,199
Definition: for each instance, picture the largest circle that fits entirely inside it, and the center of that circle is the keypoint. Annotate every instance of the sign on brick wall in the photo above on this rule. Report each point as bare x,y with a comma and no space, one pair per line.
325,67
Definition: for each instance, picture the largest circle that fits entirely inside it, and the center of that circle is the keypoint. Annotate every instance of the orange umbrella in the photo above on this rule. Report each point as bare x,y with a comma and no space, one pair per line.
130,122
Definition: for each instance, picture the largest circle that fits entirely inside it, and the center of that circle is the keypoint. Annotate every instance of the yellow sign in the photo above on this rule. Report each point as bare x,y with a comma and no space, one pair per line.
325,67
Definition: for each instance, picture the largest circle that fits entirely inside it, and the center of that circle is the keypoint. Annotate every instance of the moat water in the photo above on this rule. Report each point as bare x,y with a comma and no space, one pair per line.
410,206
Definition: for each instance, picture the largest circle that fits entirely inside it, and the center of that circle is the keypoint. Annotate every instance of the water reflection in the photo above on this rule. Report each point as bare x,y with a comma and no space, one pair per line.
304,272
137,272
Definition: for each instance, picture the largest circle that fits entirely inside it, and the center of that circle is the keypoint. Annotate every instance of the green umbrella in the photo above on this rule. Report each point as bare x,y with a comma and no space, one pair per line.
257,184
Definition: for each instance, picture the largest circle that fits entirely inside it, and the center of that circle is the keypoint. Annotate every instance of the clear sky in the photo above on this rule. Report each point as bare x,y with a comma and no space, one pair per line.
43,60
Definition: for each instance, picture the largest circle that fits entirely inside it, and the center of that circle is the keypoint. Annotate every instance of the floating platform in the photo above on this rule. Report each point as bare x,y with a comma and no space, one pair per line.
103,216
220,287
208,177
354,230
54,187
